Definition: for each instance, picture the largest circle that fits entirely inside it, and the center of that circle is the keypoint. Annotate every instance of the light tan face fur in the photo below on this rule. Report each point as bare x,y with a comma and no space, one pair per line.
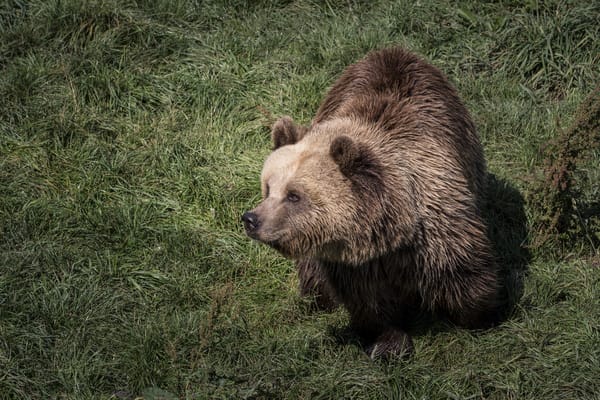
305,199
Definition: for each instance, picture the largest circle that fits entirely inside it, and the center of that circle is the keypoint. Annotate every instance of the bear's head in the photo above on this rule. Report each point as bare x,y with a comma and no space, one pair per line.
323,194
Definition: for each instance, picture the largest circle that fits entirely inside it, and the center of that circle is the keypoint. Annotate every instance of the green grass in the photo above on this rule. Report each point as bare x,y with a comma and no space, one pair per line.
132,135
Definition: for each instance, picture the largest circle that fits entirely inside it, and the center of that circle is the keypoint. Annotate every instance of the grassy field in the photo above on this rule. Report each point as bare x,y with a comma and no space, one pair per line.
132,135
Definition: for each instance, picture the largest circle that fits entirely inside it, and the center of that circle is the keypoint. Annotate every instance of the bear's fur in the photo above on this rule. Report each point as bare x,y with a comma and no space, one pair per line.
379,201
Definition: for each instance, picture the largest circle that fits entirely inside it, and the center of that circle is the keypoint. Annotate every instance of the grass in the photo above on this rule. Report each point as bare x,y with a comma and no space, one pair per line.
132,135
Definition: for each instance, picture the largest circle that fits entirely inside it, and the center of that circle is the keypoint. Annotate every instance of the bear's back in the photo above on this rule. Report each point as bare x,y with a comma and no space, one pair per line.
412,101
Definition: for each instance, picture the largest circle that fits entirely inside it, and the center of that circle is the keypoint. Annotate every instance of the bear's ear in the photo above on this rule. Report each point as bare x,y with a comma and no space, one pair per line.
353,158
285,132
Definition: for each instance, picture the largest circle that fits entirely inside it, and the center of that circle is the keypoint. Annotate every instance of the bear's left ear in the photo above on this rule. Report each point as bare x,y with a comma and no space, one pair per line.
353,159
285,132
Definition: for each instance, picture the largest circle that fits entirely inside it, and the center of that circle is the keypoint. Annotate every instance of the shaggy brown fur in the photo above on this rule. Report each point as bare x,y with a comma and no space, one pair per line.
378,200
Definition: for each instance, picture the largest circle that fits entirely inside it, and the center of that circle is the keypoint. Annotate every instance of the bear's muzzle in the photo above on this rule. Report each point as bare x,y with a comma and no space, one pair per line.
251,223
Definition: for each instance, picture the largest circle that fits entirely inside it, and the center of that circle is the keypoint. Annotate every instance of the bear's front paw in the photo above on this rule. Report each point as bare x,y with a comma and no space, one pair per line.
391,344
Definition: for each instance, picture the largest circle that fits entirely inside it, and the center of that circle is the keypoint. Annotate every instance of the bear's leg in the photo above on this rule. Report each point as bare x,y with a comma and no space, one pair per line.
392,343
481,304
481,316
379,340
314,284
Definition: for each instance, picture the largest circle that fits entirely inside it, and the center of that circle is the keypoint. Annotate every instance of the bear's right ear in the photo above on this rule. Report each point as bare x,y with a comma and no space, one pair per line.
353,159
285,132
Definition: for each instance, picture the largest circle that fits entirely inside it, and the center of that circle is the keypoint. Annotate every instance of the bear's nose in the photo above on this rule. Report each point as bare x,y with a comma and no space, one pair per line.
250,221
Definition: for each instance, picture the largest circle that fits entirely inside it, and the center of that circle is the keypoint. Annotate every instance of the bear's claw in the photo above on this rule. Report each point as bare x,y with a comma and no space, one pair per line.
392,344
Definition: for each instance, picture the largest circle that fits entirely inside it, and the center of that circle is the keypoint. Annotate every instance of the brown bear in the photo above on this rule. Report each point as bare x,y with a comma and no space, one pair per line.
379,202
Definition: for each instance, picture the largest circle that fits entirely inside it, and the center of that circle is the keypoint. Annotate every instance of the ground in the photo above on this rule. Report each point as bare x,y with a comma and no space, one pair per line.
132,135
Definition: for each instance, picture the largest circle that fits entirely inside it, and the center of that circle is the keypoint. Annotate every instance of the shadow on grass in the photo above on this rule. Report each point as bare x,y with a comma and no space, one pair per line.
504,213
589,217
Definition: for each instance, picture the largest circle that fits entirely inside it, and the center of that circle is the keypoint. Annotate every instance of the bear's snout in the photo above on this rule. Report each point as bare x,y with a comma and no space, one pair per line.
251,222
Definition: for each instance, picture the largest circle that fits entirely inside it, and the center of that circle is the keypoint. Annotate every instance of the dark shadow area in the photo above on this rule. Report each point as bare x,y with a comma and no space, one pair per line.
588,218
590,210
344,335
504,213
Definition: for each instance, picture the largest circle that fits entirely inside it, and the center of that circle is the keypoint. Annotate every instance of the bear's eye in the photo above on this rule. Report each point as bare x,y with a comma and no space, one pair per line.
292,197
267,189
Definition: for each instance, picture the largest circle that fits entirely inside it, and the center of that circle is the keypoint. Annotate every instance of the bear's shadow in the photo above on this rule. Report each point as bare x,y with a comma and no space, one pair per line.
504,213
505,216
